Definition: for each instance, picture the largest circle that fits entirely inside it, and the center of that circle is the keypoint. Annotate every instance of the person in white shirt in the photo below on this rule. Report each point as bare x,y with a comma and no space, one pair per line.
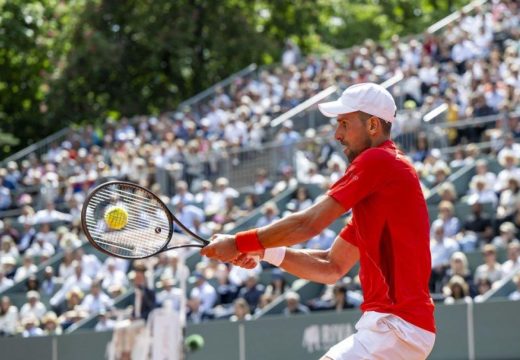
40,246
270,214
169,296
26,269
97,300
478,188
447,219
89,262
77,280
5,282
491,268
112,276
8,317
441,248
189,215
182,193
515,295
33,306
508,161
204,291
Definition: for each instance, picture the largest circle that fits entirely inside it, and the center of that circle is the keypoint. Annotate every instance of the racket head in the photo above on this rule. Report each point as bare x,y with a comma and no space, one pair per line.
148,229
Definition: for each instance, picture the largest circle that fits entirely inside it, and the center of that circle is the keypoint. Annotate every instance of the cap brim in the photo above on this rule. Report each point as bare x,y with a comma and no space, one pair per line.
334,108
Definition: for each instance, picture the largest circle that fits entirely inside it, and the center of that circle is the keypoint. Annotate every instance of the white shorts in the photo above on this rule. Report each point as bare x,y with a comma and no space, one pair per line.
384,336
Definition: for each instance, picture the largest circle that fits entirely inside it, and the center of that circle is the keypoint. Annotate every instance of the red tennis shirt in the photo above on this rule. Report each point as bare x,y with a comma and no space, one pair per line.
390,227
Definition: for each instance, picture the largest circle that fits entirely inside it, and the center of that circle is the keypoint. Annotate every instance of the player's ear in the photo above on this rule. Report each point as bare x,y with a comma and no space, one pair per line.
373,124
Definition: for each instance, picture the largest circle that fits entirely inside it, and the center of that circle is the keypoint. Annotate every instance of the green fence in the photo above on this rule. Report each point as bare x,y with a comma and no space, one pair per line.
476,331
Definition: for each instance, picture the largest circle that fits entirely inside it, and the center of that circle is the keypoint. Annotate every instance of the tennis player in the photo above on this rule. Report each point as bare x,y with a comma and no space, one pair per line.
388,234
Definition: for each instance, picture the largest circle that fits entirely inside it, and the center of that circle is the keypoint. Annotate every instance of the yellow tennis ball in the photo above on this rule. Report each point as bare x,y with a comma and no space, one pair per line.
116,217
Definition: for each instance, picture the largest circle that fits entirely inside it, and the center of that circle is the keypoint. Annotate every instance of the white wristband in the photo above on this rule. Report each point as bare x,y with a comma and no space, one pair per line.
275,255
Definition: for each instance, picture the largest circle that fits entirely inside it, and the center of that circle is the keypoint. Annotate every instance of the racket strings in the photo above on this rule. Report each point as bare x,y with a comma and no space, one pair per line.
147,228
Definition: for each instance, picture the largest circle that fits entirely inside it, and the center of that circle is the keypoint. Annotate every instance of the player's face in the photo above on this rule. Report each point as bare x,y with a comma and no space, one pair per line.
352,133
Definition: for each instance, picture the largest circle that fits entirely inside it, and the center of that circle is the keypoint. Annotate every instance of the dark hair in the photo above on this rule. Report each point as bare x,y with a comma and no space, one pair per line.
386,125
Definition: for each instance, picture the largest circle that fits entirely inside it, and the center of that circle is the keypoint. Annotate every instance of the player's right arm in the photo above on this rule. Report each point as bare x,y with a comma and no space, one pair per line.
323,266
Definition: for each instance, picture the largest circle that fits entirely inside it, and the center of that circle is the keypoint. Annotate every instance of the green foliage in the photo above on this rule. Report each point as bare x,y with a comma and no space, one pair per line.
64,62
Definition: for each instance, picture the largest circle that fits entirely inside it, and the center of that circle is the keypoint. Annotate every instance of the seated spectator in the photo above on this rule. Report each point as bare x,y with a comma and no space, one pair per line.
513,258
491,268
265,300
51,325
478,188
8,247
40,246
478,222
442,248
50,214
111,275
27,236
481,169
50,283
170,296
31,325
71,317
447,219
509,198
515,295
104,322
288,180
229,213
241,311
457,291
9,230
5,282
459,266
97,300
203,291
270,214
251,291
226,290
28,267
196,313
278,284
32,283
338,302
182,194
89,262
483,286
262,183
189,215
293,305
509,162
506,236
33,306
301,201
447,192
8,317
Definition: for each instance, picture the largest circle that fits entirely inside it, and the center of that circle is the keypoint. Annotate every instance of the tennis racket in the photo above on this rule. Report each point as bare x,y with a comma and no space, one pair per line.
145,225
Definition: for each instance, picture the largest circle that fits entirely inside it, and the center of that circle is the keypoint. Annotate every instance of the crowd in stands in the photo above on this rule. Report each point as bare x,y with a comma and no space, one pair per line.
473,67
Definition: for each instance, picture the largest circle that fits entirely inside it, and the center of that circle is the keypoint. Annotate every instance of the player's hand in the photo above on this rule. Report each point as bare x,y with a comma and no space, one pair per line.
249,260
222,247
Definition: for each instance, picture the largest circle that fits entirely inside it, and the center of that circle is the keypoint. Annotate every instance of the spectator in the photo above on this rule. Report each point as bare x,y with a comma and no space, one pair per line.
447,219
293,305
322,241
33,306
442,248
30,324
51,325
506,236
478,188
104,323
301,201
483,286
252,291
270,214
226,290
457,291
49,283
170,296
512,263
459,267
491,269
26,269
97,300
262,183
241,311
8,317
196,313
509,197
112,276
278,284
5,282
8,247
478,222
203,291
509,162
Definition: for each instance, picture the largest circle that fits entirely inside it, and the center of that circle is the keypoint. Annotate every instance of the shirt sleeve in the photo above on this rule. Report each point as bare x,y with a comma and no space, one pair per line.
363,177
348,233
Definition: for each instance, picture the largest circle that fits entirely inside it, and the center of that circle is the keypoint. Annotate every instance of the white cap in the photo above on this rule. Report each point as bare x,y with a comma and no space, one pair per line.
369,98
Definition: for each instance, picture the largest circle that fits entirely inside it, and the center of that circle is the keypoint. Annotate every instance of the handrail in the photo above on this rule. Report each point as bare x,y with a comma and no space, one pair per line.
435,112
501,283
454,16
34,147
211,90
303,106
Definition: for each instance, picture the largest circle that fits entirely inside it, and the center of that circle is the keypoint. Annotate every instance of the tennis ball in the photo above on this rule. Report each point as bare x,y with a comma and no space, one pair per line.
116,217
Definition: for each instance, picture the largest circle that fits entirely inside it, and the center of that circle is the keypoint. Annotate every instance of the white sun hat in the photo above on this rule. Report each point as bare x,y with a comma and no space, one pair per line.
369,98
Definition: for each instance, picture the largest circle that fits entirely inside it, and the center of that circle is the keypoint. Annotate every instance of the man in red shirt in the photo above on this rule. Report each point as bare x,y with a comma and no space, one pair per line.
388,234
